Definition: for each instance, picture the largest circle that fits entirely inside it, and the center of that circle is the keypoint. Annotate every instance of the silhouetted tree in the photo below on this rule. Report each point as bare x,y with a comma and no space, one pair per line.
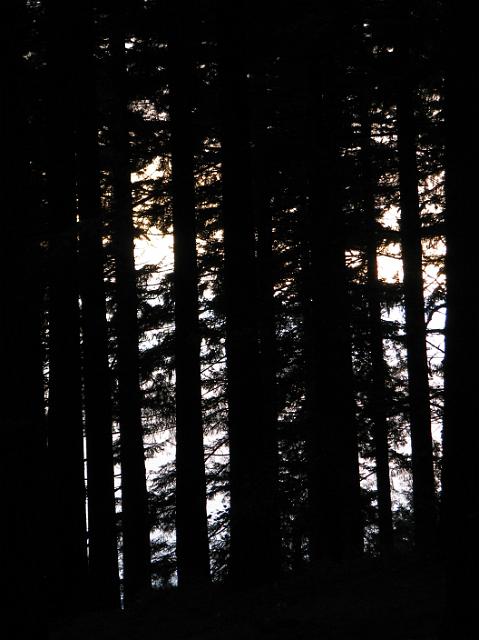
460,471
191,518
378,401
67,559
135,523
260,51
102,537
21,392
424,501
250,489
333,455
285,140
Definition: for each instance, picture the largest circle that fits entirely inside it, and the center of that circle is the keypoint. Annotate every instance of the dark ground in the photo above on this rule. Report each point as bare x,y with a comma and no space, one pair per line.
366,602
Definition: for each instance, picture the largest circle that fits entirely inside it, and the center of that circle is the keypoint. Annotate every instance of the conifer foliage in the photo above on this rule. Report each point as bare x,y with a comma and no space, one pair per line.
266,396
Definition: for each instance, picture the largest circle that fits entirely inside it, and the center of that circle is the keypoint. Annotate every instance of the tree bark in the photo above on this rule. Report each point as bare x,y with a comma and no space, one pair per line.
334,489
378,401
135,523
251,531
23,450
461,430
67,537
424,499
261,165
192,549
102,539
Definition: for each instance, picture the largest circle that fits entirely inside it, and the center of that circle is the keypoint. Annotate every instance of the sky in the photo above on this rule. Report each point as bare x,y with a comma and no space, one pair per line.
156,248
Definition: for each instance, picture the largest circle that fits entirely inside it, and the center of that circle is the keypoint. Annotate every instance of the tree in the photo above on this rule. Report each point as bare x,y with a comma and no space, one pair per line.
284,145
191,517
251,526
260,51
460,472
135,523
424,499
333,455
21,316
102,537
378,365
67,559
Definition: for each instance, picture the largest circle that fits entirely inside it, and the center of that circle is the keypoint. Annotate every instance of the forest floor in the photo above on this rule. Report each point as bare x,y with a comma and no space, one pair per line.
364,602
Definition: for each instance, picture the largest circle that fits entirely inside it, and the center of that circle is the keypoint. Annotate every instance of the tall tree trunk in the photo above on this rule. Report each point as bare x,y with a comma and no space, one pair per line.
21,392
251,530
418,384
378,365
267,367
135,523
192,550
67,537
461,429
336,531
102,542
261,164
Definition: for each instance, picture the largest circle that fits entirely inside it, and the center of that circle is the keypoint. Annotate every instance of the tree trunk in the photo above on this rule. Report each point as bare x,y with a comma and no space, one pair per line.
424,506
135,524
378,365
102,542
461,429
336,531
23,450
67,537
192,550
251,531
261,163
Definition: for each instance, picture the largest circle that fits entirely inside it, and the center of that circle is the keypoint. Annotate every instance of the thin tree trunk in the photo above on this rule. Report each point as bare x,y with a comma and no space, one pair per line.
192,549
261,171
102,542
67,537
419,409
135,524
267,364
378,365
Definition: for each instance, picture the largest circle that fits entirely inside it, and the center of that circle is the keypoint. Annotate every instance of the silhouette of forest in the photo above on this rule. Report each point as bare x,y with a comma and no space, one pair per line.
274,433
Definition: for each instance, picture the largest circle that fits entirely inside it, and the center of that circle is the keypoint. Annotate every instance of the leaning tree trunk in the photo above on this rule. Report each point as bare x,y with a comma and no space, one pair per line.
192,550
